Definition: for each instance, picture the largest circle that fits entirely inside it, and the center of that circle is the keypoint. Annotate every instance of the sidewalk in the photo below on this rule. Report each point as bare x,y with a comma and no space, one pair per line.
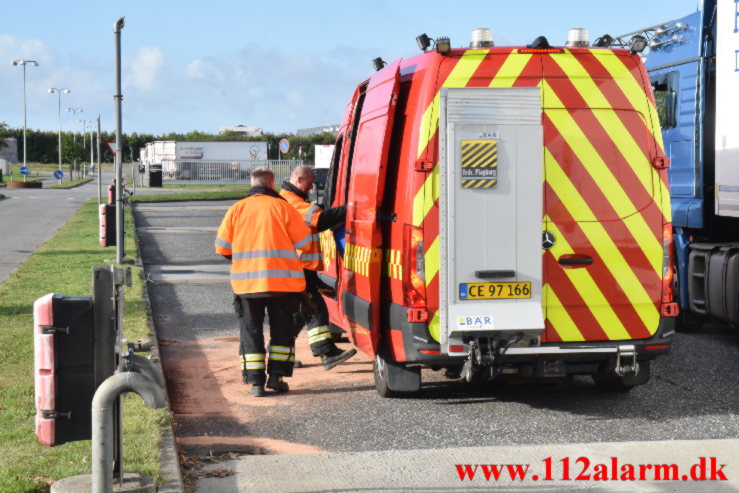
435,470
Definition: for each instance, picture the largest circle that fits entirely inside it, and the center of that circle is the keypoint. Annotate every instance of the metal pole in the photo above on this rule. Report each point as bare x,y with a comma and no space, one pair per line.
119,24
59,92
59,99
92,150
25,115
103,426
100,169
24,62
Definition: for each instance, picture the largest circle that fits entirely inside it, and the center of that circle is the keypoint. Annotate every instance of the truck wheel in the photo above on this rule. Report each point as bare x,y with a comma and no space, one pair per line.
611,382
393,379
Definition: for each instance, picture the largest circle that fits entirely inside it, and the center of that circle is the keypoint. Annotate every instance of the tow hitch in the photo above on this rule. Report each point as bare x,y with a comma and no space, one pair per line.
486,354
626,363
480,357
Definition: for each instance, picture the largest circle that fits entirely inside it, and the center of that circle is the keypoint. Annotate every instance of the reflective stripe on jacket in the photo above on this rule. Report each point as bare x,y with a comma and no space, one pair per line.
262,234
310,256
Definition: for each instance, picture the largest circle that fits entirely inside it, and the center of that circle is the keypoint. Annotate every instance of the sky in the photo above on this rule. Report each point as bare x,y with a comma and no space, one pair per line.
277,65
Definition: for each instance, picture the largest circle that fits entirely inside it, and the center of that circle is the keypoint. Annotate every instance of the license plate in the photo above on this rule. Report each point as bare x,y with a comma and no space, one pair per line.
494,290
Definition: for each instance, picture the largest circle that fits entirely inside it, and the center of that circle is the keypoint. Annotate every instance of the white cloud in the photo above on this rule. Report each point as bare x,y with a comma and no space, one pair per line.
195,69
145,67
255,85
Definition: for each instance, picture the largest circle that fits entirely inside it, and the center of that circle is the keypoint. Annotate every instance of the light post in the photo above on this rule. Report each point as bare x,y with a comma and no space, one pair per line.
74,112
23,62
84,136
90,127
59,93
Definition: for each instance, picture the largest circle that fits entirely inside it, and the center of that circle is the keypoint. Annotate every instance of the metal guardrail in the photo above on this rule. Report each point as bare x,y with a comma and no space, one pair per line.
182,171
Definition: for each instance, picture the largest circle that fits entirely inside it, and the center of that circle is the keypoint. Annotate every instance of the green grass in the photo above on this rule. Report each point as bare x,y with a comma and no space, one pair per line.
47,167
70,184
226,195
209,186
63,265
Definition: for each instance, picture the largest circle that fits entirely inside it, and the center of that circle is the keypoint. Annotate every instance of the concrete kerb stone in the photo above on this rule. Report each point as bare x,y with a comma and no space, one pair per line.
169,464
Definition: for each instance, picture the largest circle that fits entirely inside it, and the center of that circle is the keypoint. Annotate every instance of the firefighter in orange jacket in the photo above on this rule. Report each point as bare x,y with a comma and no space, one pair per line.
319,334
260,235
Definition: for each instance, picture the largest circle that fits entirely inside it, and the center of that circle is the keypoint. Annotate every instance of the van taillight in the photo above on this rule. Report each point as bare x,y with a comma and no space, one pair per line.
414,281
669,308
667,273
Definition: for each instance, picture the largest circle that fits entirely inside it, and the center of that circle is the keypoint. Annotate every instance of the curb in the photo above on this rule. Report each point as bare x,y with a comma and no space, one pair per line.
169,464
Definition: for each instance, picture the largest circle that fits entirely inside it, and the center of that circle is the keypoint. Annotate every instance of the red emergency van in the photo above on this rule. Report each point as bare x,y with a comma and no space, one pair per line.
508,214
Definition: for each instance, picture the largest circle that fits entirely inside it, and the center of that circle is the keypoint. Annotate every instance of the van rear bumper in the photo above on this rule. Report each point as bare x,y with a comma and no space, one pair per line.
419,346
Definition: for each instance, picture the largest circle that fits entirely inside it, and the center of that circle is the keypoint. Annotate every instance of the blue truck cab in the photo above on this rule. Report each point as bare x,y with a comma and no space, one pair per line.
693,65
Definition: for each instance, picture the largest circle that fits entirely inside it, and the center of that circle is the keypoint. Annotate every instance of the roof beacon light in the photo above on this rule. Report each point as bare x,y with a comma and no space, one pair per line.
378,63
578,38
443,45
482,38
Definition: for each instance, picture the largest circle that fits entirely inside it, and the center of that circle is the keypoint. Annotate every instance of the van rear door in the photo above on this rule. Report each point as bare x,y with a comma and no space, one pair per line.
360,277
491,214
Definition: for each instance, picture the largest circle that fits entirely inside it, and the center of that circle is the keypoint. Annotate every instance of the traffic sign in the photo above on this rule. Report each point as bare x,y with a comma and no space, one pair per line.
284,146
25,170
58,174
110,145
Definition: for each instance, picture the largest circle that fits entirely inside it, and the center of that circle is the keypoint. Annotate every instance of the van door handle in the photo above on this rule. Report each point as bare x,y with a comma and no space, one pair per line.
575,260
494,274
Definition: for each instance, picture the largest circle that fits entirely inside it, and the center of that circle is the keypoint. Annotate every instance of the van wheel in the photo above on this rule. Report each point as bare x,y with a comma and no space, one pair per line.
393,379
611,382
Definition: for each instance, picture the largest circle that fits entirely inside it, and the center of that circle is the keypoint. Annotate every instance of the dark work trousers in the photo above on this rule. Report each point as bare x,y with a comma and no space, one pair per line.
315,313
283,310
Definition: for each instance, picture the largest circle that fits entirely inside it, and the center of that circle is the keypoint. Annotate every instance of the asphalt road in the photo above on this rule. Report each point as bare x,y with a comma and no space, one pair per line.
29,217
692,394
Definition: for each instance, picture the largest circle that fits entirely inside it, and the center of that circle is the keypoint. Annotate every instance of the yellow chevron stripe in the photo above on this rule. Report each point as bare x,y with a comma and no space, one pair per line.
602,242
426,197
511,69
635,94
429,124
558,316
594,299
458,77
435,327
432,260
606,180
615,128
633,91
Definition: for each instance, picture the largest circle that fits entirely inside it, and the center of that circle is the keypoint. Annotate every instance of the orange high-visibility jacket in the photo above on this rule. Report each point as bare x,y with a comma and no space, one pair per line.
262,234
310,256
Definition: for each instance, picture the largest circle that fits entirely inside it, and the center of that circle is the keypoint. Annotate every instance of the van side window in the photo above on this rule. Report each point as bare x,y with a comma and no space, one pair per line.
665,87
333,173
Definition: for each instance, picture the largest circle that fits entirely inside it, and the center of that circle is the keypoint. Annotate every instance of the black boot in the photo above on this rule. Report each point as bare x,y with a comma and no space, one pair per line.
336,356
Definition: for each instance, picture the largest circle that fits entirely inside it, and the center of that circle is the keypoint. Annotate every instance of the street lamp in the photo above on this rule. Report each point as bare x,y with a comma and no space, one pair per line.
90,127
84,124
59,92
74,112
23,62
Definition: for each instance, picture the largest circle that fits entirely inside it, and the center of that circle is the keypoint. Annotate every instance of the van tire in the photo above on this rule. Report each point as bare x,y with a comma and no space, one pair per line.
393,379
611,382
